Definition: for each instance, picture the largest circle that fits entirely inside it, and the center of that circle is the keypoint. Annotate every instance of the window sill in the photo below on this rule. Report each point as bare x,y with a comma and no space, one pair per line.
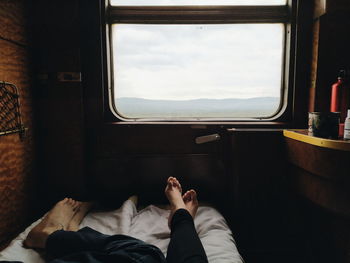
229,124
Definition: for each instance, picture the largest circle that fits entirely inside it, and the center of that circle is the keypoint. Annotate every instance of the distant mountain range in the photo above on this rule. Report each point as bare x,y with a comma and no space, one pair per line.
210,108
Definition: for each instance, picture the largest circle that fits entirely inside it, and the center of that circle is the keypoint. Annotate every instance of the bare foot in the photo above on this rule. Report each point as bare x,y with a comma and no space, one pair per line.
173,193
57,218
81,211
134,199
191,202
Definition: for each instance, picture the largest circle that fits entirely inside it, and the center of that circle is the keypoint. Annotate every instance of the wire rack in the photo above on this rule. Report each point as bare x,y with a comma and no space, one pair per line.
10,114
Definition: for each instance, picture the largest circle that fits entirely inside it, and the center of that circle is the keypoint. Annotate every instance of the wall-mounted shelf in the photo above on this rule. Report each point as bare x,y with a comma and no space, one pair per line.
319,170
302,136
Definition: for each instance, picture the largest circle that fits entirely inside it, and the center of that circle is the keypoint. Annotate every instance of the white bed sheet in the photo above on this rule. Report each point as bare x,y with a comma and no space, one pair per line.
150,225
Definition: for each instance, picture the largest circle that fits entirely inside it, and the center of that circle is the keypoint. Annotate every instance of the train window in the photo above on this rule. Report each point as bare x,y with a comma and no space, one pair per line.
198,62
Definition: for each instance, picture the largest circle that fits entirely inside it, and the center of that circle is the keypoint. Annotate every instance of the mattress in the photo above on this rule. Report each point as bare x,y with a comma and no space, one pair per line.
150,225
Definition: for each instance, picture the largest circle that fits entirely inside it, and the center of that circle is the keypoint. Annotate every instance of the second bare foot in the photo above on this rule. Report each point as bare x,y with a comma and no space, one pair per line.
191,202
81,211
173,193
57,218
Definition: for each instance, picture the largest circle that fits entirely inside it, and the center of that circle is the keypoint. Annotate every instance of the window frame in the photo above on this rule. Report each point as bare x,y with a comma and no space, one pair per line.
209,15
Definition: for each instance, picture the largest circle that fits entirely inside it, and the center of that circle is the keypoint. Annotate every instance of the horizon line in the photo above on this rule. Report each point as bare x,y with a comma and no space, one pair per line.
197,99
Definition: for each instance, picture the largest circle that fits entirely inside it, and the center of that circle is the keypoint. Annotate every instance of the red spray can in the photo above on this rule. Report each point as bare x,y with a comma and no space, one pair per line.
340,99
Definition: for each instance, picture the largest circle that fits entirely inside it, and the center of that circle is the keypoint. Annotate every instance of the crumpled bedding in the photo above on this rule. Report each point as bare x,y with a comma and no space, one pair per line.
150,225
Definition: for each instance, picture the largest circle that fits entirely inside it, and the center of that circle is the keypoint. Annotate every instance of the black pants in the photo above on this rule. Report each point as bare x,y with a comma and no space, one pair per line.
90,246
185,245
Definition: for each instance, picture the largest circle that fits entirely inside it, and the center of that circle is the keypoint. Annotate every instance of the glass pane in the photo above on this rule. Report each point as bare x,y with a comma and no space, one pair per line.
195,2
204,71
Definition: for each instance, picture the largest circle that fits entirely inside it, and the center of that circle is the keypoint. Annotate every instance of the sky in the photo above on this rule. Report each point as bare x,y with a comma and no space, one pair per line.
198,2
183,62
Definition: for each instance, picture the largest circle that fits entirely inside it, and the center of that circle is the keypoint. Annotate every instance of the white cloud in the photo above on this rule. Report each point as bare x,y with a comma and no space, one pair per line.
197,61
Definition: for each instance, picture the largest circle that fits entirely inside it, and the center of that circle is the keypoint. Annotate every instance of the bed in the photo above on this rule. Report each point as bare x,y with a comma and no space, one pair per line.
149,224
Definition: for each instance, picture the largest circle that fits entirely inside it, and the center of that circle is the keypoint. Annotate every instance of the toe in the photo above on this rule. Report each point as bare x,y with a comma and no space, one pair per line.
170,179
71,202
187,196
176,181
76,205
177,184
194,195
65,200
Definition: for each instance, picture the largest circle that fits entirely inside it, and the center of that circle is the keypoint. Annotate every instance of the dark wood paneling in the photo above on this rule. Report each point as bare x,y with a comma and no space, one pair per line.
16,185
324,177
333,54
320,174
61,140
327,236
155,139
198,14
265,219
117,178
320,8
314,61
259,165
13,21
334,6
321,177
328,163
332,196
17,157
61,133
303,54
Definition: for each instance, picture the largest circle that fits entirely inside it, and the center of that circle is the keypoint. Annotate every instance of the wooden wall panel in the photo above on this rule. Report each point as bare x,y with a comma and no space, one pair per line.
332,196
320,176
61,134
12,21
156,139
334,164
17,157
331,52
60,141
314,61
265,220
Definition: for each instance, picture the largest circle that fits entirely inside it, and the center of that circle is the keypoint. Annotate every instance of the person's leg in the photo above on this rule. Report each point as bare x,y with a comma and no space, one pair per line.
81,211
66,215
71,239
62,243
58,233
185,245
57,218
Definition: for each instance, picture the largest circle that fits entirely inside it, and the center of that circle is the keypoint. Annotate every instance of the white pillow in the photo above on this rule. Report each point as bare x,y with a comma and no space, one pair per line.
150,225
